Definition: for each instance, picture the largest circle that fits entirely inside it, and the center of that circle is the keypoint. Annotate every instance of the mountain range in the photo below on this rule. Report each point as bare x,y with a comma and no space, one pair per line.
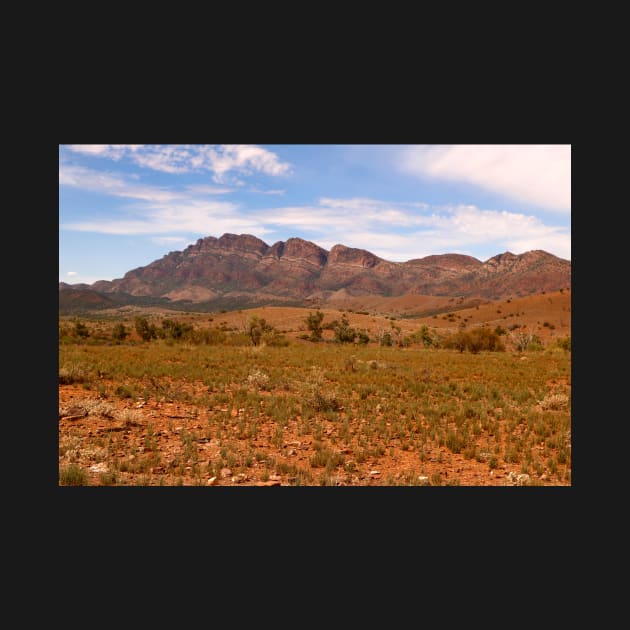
242,271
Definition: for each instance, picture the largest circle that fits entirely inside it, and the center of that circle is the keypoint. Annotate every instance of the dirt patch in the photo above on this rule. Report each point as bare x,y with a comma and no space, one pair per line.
139,442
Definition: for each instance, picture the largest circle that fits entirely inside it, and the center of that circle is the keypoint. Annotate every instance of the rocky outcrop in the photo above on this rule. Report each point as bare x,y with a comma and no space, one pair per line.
243,267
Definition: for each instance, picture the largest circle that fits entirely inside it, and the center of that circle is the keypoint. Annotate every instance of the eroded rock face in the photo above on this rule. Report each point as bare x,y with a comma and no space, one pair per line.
342,255
244,265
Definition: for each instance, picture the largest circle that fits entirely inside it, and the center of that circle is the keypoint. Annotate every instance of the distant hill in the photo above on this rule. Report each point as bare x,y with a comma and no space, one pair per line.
80,299
236,271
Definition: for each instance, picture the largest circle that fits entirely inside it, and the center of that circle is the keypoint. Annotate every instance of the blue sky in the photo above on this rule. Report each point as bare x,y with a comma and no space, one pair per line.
124,206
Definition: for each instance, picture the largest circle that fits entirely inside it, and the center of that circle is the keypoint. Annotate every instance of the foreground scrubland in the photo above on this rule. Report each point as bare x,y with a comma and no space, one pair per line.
203,403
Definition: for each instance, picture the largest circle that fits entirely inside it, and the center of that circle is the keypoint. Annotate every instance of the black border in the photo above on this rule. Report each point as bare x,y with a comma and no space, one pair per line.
398,519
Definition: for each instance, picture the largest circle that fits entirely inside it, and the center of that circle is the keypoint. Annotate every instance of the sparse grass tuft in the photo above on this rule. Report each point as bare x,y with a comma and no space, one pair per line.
71,373
73,475
554,402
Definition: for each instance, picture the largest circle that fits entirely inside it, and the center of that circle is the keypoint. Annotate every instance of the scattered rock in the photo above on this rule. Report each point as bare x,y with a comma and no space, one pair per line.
518,480
225,472
99,468
268,483
423,480
212,481
375,472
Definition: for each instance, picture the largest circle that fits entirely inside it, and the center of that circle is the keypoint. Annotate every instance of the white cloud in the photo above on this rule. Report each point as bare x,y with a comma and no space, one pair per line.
107,183
190,217
400,232
209,190
267,192
111,151
158,210
72,273
244,159
537,174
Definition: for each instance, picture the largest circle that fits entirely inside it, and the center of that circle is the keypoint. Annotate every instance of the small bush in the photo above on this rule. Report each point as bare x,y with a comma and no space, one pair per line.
81,330
386,340
555,402
314,324
73,475
454,442
313,394
258,379
564,343
73,373
475,340
119,332
145,330
344,333
122,391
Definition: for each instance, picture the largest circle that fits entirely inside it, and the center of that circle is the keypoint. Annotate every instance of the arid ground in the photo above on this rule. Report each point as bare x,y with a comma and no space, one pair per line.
167,412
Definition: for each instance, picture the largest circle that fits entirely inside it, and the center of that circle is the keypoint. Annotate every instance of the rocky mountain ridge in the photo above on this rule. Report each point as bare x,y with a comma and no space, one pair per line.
244,269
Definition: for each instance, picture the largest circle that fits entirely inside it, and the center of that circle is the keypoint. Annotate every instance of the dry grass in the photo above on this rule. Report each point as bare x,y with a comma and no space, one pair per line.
164,413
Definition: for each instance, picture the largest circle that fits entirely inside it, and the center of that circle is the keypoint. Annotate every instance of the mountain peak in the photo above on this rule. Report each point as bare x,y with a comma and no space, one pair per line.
341,254
244,242
242,269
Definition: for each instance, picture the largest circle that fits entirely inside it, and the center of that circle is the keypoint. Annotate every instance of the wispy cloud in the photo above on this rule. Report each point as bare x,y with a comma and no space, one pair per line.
188,217
209,190
72,273
267,192
157,211
537,174
221,160
112,184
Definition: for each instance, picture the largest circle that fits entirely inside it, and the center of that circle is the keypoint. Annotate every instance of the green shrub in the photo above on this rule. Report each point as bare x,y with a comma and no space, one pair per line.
386,339
81,330
454,442
363,337
344,333
119,332
475,340
314,324
145,330
172,329
73,475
